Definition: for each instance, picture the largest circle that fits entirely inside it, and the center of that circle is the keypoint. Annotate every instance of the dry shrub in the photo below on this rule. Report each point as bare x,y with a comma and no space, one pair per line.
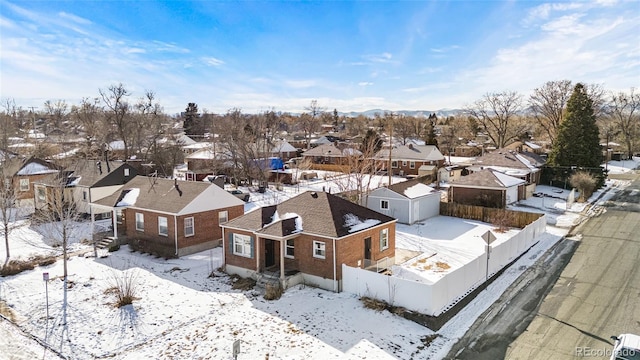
502,220
373,304
585,183
242,283
14,267
42,260
443,265
273,292
6,311
124,287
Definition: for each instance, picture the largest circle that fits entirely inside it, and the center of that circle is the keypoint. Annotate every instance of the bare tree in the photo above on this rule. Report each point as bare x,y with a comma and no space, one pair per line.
57,111
548,102
310,120
118,112
624,109
88,116
8,117
405,128
498,115
9,212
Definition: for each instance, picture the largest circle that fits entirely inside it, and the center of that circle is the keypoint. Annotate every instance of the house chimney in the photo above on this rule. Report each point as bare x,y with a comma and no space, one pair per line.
411,146
99,165
267,214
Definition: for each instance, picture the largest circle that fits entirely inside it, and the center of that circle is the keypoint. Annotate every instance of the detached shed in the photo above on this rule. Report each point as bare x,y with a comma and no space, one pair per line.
488,188
409,201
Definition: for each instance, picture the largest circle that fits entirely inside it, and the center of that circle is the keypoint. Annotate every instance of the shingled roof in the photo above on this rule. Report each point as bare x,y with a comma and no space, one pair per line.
412,153
412,188
487,178
172,196
510,159
320,214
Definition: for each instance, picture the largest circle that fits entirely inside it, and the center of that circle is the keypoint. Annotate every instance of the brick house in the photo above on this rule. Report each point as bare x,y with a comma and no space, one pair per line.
488,188
170,218
307,239
407,159
32,171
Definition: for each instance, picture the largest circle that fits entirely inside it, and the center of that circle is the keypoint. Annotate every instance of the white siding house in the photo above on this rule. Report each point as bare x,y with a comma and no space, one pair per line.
408,201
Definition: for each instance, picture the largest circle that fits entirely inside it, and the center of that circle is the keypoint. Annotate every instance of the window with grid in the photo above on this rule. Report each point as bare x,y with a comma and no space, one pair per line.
319,250
24,184
289,250
384,205
242,245
189,228
412,165
384,239
163,228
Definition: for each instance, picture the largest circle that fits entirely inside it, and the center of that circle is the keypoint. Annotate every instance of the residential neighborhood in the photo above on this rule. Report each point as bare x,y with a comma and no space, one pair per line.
301,180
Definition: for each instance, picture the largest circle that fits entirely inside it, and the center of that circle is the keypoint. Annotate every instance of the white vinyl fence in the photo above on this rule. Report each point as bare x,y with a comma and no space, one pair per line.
436,298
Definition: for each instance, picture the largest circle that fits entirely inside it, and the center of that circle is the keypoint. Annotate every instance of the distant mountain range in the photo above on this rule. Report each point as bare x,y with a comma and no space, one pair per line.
442,113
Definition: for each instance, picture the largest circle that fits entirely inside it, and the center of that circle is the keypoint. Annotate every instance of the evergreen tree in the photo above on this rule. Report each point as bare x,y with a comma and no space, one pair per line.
578,139
371,143
193,123
430,135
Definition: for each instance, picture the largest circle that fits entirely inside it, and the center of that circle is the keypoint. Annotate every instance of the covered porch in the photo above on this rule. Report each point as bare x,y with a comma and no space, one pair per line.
276,263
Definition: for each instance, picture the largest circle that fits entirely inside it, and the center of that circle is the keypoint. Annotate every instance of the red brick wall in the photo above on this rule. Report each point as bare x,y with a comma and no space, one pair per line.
351,249
236,260
206,225
29,194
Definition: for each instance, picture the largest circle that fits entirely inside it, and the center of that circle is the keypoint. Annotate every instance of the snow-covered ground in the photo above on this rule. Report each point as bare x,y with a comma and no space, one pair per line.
181,312
624,166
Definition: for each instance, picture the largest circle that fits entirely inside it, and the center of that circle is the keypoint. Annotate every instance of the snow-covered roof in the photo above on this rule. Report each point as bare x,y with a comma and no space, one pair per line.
418,190
129,198
532,145
354,223
34,168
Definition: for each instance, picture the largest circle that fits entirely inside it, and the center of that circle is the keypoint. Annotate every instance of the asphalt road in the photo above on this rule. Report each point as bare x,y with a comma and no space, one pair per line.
597,294
573,299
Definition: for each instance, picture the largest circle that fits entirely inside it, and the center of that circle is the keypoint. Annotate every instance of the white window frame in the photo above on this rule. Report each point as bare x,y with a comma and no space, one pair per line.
187,226
394,164
223,217
289,245
140,220
24,184
126,172
412,165
41,193
119,216
84,196
241,245
384,204
166,226
319,249
384,239
404,162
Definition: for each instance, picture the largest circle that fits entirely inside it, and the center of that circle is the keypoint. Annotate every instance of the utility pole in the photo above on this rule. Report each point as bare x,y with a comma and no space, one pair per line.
33,119
390,146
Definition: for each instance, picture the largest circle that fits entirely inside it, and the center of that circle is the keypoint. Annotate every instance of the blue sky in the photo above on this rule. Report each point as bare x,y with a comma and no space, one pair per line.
352,56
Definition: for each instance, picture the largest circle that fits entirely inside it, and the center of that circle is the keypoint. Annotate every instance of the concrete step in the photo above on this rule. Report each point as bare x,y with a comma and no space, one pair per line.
104,243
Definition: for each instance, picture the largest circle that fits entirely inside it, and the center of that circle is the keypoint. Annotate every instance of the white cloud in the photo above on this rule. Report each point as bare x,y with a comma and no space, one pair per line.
445,49
365,83
74,18
211,61
379,58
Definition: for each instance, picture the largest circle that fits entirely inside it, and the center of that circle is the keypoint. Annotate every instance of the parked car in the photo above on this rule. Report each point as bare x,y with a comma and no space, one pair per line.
626,347
239,194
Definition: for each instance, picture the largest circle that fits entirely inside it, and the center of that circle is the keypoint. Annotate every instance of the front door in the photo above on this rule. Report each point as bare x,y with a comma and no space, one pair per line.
269,253
367,248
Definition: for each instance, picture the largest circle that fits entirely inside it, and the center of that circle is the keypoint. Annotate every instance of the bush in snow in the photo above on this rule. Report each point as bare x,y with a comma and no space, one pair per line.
584,183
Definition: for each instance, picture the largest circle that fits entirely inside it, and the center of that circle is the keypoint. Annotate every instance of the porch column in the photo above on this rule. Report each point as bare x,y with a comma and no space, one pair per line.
93,232
258,251
282,246
114,220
